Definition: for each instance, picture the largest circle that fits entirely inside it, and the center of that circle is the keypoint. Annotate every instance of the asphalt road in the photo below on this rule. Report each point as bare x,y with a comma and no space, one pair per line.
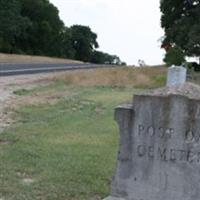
7,69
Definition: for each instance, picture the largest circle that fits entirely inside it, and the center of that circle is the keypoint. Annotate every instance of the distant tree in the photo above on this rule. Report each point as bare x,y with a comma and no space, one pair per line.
141,63
99,57
45,29
84,41
174,56
68,50
12,25
34,27
181,22
116,60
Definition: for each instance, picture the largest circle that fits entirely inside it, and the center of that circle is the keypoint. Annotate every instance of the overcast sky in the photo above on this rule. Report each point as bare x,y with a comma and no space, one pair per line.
128,28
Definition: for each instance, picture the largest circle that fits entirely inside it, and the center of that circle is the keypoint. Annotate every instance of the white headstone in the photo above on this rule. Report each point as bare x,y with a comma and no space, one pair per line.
176,75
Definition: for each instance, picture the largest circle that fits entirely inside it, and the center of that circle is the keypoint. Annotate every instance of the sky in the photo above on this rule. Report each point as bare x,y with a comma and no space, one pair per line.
129,28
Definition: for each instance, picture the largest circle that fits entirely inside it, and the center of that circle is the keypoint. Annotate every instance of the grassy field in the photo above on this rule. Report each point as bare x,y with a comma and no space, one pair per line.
13,58
65,148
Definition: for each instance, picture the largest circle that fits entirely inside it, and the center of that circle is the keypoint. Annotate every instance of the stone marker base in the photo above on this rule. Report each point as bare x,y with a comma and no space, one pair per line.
113,198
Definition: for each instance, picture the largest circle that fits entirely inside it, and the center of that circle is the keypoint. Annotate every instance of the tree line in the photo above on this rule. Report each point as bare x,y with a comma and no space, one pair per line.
34,27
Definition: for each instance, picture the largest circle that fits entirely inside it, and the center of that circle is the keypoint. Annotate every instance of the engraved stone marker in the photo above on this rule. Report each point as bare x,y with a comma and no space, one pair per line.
176,75
159,153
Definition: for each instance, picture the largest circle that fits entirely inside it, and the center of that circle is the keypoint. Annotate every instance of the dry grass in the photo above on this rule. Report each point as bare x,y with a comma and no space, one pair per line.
11,58
116,77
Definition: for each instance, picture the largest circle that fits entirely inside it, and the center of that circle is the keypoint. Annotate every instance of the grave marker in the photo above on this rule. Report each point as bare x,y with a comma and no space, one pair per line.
159,152
176,75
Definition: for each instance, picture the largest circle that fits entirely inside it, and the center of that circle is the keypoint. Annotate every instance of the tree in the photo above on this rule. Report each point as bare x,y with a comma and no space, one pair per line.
34,27
44,32
174,56
84,41
30,26
181,22
12,25
99,57
68,50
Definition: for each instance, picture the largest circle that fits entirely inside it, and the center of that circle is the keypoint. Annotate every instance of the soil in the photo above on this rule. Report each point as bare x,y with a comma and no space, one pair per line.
9,100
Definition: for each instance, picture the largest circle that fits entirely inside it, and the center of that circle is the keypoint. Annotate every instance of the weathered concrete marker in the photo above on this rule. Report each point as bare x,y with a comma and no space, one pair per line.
176,75
159,153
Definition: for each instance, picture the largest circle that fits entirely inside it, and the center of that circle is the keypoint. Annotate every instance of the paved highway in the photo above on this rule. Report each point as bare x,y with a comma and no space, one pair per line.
7,69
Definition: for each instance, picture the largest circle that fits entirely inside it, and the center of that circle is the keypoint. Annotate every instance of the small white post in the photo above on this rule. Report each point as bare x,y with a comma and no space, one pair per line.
176,75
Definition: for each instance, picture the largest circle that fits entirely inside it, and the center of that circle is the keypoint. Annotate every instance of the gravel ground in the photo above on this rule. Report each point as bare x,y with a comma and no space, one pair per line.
12,83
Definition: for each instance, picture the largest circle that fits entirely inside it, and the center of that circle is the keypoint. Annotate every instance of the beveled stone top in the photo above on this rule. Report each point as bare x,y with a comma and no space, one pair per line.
190,90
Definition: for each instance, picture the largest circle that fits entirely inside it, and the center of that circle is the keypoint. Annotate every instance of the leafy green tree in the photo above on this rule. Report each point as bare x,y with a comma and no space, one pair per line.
34,27
181,22
45,30
68,50
99,57
12,25
174,56
84,41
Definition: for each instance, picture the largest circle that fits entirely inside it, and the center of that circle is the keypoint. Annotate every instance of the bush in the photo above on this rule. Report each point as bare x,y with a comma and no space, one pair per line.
193,66
174,56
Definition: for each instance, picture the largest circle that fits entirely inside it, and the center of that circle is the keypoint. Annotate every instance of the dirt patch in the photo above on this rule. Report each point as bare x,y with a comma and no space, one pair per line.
38,98
10,101
4,142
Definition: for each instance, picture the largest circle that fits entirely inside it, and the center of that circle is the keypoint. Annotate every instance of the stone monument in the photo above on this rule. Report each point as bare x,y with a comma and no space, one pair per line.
159,153
176,75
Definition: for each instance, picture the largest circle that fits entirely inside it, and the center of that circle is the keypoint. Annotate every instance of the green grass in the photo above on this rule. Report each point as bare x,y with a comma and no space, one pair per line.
68,149
21,92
